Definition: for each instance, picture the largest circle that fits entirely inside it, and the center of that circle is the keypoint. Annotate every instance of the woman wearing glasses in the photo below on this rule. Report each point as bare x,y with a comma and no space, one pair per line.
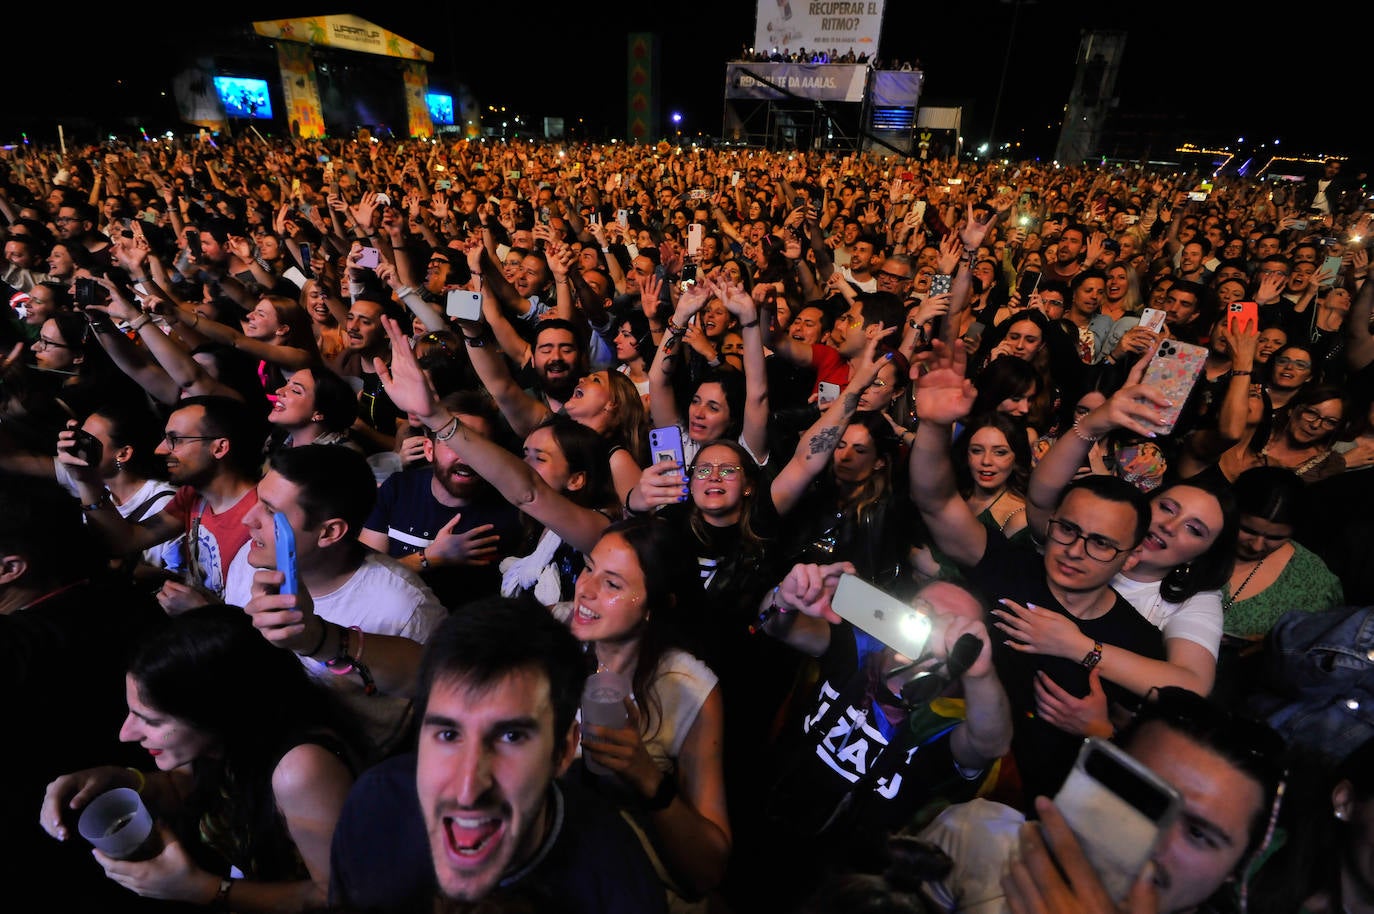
1288,370
1304,443
1173,578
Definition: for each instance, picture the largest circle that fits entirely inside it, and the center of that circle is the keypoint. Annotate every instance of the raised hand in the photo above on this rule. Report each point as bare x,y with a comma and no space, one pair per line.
944,394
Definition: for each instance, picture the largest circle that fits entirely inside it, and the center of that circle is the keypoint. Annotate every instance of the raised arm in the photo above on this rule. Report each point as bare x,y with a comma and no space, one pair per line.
409,388
663,408
945,396
820,440
739,303
1134,407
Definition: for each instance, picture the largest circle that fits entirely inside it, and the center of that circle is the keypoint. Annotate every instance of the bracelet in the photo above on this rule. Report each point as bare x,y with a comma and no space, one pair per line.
342,662
630,512
404,291
142,780
424,559
135,324
96,505
1234,373
674,328
663,797
753,323
451,425
324,633
1083,435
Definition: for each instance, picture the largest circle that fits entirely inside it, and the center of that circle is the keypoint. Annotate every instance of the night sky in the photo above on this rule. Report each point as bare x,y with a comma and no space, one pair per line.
1214,72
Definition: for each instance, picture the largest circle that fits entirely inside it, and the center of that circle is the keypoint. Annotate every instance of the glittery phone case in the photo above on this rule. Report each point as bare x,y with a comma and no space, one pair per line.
1173,371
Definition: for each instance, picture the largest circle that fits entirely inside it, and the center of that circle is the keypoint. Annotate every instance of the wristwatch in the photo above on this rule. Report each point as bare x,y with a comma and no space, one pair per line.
663,797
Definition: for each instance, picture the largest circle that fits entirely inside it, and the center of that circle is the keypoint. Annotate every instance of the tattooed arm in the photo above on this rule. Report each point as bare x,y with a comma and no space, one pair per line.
819,441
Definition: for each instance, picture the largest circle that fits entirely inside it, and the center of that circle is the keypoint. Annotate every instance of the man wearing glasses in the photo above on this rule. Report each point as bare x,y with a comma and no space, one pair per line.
213,449
75,224
1090,538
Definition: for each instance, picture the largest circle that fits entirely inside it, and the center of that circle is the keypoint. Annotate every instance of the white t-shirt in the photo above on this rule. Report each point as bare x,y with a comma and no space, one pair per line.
1196,619
156,491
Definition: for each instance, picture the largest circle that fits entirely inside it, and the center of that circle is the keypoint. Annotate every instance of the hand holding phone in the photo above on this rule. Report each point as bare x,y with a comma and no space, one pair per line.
1118,809
1242,317
1173,370
368,258
87,447
464,305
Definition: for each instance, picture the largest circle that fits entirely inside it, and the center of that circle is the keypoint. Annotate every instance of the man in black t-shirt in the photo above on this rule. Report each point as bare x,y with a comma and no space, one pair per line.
478,814
1090,537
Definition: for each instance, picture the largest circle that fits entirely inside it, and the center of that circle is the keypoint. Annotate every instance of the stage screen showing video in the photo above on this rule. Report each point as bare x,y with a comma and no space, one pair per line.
440,108
244,97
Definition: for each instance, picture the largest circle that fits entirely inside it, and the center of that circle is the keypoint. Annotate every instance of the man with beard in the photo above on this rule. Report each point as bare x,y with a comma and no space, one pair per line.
213,448
479,816
442,520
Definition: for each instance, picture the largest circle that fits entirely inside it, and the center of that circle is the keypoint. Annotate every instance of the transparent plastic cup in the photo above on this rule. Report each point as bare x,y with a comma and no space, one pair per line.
117,823
603,704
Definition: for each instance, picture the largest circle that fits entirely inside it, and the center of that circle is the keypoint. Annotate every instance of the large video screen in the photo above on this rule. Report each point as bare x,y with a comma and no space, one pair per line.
440,107
244,97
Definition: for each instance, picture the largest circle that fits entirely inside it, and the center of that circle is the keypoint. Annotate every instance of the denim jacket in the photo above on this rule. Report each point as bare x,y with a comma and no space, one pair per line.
1320,693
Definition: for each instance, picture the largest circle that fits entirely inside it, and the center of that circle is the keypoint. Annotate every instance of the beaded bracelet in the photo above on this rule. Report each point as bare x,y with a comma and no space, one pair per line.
452,427
1081,434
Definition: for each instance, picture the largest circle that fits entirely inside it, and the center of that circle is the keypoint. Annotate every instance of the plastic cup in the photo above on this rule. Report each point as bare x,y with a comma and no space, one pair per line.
117,823
603,704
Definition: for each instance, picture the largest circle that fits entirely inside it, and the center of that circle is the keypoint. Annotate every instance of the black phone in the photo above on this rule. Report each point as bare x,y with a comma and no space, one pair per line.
1030,281
305,259
193,243
86,292
87,447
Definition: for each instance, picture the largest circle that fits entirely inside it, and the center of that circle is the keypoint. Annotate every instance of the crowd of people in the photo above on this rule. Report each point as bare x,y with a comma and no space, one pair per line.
331,470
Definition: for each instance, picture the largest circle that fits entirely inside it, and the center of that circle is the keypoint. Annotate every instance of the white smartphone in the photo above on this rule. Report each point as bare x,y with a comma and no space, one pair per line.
623,217
464,305
1118,809
1152,319
827,392
900,626
695,232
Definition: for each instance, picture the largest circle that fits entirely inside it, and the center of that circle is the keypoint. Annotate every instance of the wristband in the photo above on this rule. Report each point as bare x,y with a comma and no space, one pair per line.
753,323
1234,373
139,323
674,328
1094,656
221,900
424,559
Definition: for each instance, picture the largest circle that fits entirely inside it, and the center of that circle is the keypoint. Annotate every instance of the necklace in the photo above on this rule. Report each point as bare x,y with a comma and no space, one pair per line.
1235,594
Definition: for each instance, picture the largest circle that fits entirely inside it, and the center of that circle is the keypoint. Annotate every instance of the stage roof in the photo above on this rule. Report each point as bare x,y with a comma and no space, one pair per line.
348,33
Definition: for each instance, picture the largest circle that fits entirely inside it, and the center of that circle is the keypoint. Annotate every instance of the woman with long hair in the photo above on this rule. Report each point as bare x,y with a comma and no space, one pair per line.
248,780
992,464
313,406
665,763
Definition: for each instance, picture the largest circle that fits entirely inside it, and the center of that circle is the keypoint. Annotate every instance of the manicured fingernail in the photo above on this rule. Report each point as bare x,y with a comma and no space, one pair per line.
682,498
